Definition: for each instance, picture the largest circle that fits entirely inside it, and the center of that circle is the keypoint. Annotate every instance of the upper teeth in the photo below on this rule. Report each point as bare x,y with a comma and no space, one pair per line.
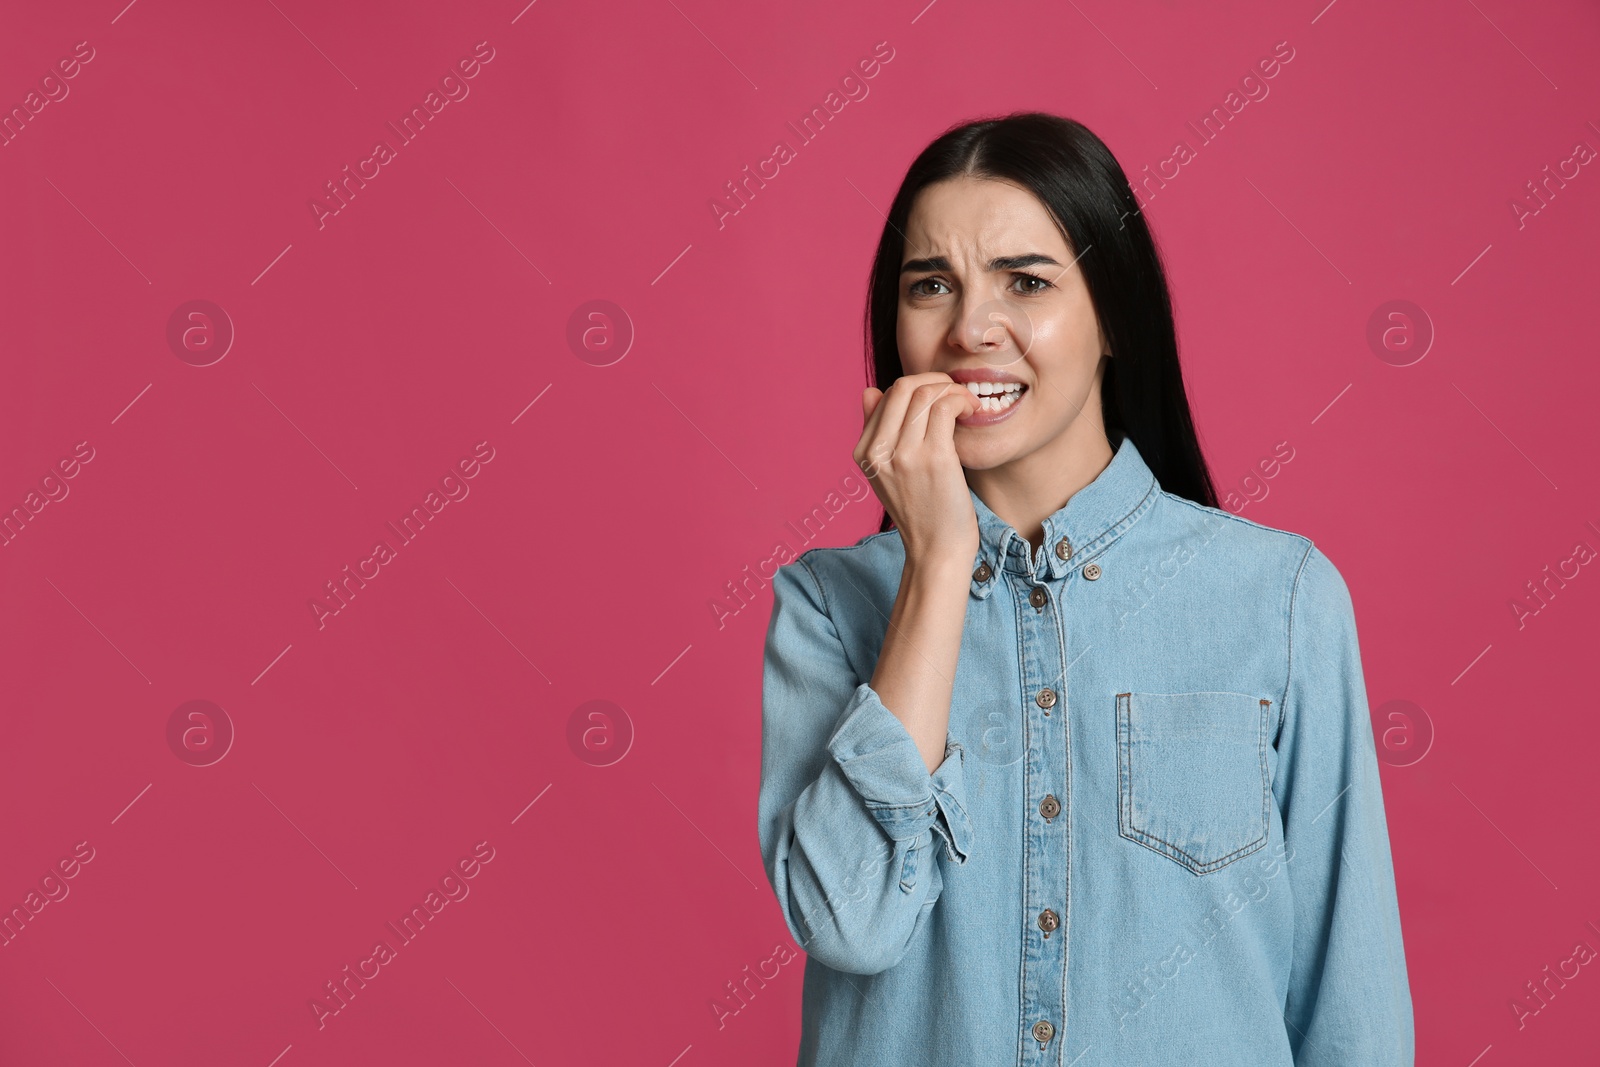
993,388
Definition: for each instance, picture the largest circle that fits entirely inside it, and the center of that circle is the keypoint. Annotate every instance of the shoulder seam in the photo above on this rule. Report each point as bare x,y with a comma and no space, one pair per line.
846,548
817,578
1288,674
822,590
1225,513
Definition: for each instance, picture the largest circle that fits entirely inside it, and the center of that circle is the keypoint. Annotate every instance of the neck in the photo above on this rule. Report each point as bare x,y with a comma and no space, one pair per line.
1031,488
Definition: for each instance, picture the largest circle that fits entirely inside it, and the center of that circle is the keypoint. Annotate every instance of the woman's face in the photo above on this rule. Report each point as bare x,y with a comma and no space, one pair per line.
989,292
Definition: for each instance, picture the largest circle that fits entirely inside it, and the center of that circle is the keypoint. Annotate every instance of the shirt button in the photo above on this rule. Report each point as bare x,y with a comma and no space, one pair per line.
1064,548
1050,807
1046,698
1038,598
1092,571
1043,1030
983,573
1048,920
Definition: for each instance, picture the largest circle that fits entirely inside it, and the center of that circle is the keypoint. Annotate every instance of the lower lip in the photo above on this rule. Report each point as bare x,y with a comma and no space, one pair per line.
989,418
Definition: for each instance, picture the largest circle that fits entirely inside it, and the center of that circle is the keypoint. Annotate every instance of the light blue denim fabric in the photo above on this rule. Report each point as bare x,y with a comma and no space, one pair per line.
1157,836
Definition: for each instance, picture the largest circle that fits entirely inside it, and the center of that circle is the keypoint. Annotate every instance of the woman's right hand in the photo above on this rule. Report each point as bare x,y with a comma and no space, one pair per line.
907,452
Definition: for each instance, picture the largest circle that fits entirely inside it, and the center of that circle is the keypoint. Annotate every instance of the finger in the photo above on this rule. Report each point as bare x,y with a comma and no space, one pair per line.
942,416
900,395
870,399
871,452
915,427
884,429
882,432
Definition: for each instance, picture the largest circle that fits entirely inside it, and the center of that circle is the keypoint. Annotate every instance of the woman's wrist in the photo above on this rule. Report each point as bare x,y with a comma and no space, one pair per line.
938,570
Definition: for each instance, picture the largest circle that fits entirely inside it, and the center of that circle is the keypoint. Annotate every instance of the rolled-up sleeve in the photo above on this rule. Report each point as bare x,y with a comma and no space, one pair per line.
883,763
848,814
1348,999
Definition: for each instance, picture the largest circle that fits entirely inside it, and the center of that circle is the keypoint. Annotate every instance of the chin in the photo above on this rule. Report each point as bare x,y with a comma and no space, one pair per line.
984,458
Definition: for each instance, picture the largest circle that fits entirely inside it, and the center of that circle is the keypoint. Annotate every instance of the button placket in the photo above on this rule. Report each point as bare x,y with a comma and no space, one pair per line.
1014,657
1046,762
1046,699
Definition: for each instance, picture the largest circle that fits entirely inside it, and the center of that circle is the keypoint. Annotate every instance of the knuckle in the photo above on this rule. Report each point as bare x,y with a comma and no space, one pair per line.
876,458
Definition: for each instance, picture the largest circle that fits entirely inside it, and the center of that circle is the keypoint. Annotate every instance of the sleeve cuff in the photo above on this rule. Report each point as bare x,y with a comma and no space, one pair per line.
880,759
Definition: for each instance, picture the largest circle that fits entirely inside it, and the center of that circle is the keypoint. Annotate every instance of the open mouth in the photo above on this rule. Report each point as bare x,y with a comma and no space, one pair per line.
996,396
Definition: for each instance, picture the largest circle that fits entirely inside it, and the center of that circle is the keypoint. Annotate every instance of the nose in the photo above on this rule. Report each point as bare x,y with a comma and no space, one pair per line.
990,327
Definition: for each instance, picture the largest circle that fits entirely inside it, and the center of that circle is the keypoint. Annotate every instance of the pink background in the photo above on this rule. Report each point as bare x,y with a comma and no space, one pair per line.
435,710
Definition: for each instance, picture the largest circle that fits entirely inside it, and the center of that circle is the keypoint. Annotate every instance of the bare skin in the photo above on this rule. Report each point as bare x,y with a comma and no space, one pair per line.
960,310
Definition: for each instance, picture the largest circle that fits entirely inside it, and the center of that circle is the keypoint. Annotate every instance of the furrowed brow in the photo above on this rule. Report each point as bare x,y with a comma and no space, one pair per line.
940,263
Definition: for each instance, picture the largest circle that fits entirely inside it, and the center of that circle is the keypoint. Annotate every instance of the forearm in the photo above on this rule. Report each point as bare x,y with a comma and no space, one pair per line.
916,669
1349,998
851,895
851,817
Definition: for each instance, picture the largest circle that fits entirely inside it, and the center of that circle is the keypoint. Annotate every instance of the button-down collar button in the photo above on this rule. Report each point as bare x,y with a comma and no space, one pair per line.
1038,598
1046,698
1048,920
1092,571
1043,1030
1050,807
983,573
1064,548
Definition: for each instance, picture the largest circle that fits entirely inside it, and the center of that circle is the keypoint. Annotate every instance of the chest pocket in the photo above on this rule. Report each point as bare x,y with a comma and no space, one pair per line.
1192,775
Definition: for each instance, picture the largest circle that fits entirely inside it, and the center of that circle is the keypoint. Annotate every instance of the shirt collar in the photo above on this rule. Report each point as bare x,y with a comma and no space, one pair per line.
1095,516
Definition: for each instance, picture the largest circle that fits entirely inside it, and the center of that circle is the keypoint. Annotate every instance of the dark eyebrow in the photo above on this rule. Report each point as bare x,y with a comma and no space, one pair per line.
940,263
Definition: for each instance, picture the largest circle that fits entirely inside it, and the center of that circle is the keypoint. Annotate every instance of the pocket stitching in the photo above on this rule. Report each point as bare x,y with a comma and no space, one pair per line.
1157,844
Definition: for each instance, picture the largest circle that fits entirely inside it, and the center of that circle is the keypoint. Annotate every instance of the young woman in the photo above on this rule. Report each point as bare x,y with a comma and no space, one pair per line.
1068,766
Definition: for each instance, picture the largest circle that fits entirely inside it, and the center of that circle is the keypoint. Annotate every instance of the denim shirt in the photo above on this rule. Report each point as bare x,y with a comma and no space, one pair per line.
1157,835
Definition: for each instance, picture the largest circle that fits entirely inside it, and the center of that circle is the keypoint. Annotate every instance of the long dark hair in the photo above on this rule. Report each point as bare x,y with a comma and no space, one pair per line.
1079,181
